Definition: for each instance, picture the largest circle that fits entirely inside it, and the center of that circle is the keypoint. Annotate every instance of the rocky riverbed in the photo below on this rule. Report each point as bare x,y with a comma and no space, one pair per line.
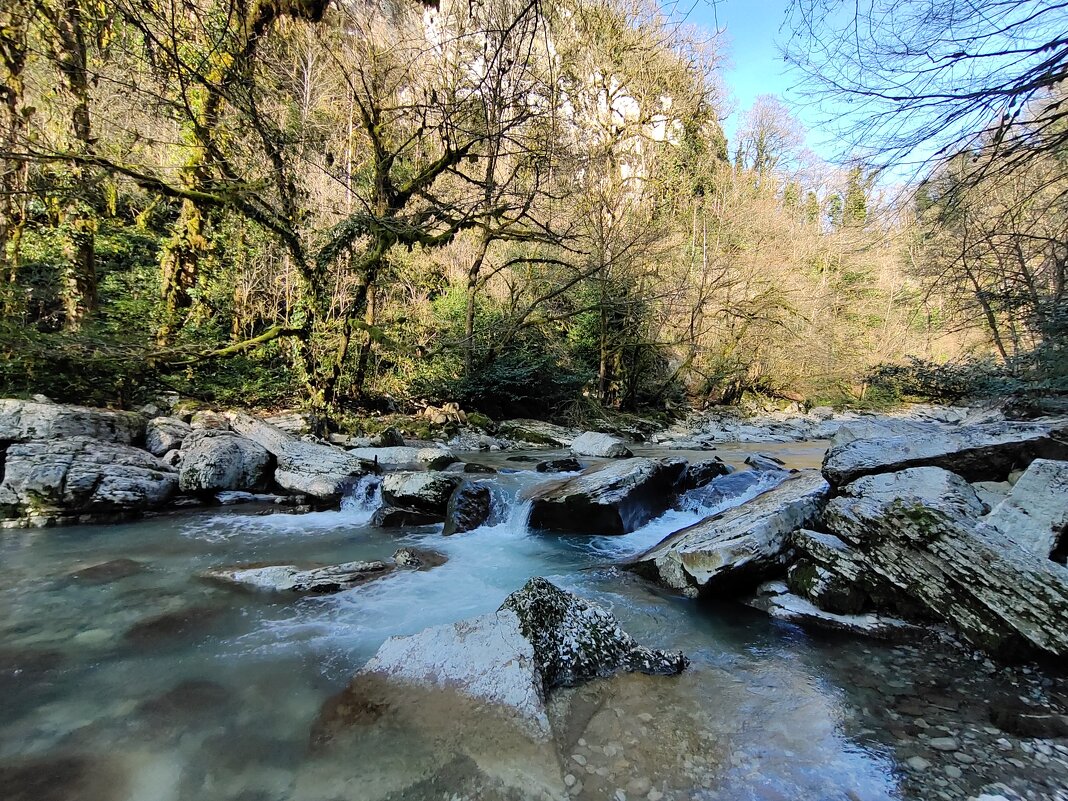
613,615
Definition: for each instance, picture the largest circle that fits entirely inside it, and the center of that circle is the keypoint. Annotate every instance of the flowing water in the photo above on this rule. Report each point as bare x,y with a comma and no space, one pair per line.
141,681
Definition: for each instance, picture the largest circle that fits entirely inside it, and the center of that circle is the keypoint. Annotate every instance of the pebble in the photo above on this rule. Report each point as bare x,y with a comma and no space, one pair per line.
570,780
953,772
654,795
944,744
964,759
1003,744
620,796
639,786
579,759
920,723
918,763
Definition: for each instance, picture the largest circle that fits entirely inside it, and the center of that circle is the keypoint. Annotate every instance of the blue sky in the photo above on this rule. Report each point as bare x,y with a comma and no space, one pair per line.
753,31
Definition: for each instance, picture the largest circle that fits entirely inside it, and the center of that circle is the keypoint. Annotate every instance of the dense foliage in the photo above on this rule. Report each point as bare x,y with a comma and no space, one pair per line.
529,209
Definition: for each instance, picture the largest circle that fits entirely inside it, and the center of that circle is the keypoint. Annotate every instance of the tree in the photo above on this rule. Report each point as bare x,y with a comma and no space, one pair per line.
927,80
769,137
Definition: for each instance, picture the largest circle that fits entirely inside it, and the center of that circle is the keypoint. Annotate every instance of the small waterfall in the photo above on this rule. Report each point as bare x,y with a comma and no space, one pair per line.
362,499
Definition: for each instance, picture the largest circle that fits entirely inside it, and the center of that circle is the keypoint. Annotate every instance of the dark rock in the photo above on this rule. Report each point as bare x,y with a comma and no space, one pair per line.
761,461
567,464
828,591
186,699
394,517
469,507
423,492
700,474
615,498
475,467
522,457
106,572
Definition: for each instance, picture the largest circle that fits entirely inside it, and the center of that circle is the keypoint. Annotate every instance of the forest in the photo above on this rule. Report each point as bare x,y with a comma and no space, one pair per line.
527,207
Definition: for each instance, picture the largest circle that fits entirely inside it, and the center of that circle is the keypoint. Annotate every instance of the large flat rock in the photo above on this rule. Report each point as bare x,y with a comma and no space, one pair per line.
318,470
737,547
919,531
978,453
403,457
23,421
615,498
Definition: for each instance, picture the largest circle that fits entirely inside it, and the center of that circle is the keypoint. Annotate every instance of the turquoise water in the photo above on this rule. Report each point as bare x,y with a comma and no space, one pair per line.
156,684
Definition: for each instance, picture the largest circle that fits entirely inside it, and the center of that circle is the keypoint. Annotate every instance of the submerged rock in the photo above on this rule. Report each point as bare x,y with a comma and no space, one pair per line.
918,530
24,421
173,628
740,546
604,446
163,434
290,578
106,572
63,778
321,471
469,507
615,498
506,662
215,461
978,453
82,476
1035,513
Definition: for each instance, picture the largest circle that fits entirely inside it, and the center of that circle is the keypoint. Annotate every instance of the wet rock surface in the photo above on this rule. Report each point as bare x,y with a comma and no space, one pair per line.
700,474
428,493
739,547
607,499
290,578
470,506
61,778
567,464
107,572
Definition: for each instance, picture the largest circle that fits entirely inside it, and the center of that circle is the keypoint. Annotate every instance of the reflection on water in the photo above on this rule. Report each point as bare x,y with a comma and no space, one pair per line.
136,680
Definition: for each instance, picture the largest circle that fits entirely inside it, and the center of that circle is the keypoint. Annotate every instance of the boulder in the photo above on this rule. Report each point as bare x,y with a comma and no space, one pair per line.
700,474
205,419
918,530
506,661
214,460
82,476
835,577
406,458
469,507
24,421
1035,513
730,489
776,600
738,547
164,434
394,517
614,498
421,492
567,464
978,453
604,446
305,467
536,432
290,578
295,423
575,640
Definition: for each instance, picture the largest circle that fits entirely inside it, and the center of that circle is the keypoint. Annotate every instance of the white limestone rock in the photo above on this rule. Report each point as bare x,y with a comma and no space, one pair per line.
604,446
1035,513
25,421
